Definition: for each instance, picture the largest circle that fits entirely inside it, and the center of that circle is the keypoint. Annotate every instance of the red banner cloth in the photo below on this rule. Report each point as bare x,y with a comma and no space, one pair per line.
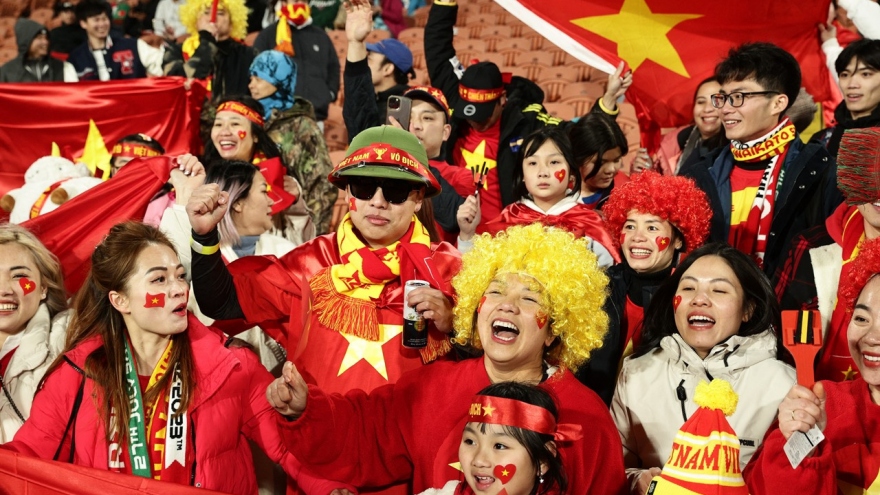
74,229
672,45
36,115
31,476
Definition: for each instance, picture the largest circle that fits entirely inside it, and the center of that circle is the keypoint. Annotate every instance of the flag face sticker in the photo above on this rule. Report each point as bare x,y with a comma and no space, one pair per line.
480,306
675,302
541,318
504,473
27,285
242,134
155,301
662,242
352,206
560,175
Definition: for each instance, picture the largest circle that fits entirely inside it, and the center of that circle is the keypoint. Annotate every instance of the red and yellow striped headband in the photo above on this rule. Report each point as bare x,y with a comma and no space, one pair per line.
241,109
518,414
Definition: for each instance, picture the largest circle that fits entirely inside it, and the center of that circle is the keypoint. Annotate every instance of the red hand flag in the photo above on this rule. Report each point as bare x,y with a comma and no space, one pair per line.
671,45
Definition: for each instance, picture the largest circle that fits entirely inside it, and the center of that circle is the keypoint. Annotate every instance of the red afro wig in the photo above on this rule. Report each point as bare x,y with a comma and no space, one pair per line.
675,199
865,266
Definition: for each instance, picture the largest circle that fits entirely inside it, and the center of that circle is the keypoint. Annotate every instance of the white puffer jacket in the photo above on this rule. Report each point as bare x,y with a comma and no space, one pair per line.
39,344
646,405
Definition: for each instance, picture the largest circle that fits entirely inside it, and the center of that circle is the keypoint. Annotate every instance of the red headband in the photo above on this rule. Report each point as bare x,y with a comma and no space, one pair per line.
479,95
382,153
518,414
133,150
241,109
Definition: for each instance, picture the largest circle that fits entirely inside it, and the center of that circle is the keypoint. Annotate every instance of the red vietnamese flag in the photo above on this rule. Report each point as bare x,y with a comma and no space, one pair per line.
155,301
672,45
36,115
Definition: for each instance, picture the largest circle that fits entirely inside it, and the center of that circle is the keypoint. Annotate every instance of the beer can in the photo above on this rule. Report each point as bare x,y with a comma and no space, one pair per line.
415,328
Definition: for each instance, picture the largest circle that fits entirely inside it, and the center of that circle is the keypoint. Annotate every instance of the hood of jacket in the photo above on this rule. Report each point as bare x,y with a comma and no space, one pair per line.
728,357
25,32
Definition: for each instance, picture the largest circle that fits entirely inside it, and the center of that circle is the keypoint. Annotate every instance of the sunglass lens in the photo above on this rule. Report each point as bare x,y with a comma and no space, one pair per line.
363,189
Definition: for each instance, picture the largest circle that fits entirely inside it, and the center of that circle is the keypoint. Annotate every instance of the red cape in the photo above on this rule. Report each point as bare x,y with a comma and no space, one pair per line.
73,230
580,221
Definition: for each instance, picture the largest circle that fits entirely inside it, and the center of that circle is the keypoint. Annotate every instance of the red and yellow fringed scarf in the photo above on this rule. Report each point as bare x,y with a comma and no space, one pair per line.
345,295
773,147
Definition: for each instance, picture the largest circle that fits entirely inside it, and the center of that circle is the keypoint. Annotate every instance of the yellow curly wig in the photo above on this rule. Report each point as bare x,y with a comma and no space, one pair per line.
574,287
189,14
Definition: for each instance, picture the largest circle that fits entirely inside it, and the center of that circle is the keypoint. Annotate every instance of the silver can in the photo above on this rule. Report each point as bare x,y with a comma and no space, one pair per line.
415,328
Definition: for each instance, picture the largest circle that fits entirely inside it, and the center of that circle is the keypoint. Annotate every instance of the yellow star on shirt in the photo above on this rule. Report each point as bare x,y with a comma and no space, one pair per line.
368,350
488,410
640,34
849,374
477,158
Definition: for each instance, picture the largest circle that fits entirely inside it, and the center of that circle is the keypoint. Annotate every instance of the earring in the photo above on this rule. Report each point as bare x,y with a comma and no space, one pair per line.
540,477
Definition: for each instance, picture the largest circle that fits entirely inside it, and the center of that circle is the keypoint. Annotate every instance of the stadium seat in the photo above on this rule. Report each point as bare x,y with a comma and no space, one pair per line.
521,44
378,35
537,57
569,74
340,207
553,88
580,105
418,58
562,111
583,89
413,37
469,45
7,54
420,16
533,70
334,115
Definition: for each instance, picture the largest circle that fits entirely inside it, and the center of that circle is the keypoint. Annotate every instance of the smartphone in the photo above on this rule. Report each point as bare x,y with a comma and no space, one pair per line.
399,107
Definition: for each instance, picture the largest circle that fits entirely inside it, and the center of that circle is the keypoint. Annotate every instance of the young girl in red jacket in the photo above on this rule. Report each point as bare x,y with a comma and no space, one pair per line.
548,185
144,388
509,444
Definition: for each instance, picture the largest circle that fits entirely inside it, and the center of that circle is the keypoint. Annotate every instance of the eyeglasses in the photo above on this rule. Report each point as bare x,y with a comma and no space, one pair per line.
737,99
395,191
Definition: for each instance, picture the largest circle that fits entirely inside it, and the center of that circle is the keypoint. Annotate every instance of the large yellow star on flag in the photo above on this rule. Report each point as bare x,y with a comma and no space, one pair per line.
368,350
640,34
477,158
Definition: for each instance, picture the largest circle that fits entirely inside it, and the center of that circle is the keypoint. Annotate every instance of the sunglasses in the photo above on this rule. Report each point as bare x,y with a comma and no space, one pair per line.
395,191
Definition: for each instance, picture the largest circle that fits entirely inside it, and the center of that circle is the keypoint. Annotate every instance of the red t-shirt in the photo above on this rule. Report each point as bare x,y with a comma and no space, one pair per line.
743,189
472,150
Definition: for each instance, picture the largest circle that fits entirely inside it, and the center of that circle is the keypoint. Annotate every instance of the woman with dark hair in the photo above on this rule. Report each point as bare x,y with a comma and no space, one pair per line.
548,187
509,443
145,389
715,317
654,220
599,147
238,132
846,412
687,145
245,230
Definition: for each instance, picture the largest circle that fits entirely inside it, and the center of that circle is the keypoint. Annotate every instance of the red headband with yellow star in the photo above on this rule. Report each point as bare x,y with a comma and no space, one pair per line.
241,109
132,150
509,412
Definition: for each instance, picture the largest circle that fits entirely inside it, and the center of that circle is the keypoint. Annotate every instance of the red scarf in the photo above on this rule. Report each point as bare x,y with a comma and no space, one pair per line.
773,147
579,220
835,363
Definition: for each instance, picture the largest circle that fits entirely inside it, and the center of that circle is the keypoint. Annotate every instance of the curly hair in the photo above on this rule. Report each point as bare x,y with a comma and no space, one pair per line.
574,288
864,267
238,12
675,199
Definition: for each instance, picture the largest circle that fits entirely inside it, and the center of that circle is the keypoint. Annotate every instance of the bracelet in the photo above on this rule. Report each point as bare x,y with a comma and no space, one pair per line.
609,112
206,250
446,3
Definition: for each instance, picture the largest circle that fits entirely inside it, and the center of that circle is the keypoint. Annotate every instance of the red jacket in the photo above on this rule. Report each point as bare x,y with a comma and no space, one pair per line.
412,430
229,407
846,462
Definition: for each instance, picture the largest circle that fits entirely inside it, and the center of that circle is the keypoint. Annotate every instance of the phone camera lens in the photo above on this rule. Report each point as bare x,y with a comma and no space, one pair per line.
394,103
